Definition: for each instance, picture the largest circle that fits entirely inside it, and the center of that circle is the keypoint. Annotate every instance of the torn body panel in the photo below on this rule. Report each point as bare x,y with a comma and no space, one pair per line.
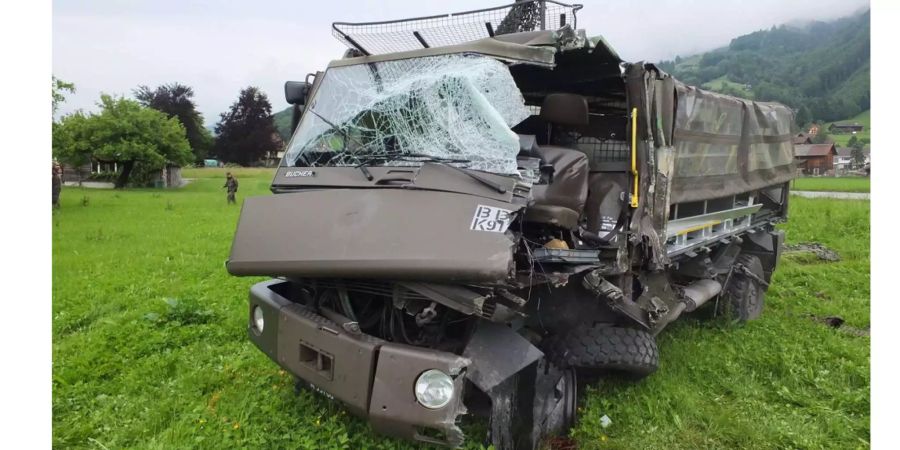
372,377
344,233
393,409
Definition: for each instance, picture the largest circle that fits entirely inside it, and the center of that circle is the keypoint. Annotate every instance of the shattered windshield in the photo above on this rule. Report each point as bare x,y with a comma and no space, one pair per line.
455,109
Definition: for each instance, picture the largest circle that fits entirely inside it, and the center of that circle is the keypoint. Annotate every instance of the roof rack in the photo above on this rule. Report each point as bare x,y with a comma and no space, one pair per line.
375,38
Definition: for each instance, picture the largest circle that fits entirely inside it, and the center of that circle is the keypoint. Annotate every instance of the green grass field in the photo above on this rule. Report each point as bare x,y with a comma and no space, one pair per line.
719,84
149,345
832,184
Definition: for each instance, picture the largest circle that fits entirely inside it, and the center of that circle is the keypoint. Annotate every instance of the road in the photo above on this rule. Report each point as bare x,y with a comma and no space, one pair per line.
838,195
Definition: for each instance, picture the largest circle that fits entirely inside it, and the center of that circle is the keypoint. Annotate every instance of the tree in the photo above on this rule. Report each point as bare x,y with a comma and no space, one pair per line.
59,88
821,137
245,133
857,146
124,132
175,100
858,156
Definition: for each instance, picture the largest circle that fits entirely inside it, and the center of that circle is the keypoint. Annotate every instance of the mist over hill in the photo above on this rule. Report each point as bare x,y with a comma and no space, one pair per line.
821,69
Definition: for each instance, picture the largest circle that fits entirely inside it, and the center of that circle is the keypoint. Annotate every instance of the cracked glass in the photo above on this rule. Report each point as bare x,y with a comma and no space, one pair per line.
452,109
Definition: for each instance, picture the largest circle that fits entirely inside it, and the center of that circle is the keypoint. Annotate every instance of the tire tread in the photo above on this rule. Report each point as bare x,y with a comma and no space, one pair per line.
606,348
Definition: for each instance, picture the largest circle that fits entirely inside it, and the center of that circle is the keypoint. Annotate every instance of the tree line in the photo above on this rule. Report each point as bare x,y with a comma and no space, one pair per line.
161,127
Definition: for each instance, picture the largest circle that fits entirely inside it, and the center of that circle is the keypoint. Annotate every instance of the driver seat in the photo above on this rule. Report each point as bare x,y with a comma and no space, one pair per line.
562,201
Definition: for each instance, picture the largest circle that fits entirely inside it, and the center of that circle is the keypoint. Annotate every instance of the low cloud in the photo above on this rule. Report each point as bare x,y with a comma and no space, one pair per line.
219,48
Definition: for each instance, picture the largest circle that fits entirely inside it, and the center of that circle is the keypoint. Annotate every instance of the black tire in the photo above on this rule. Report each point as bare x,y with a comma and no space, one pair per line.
533,405
504,412
744,296
603,347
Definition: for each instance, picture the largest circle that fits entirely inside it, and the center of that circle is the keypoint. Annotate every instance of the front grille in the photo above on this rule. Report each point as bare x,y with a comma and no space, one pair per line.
381,289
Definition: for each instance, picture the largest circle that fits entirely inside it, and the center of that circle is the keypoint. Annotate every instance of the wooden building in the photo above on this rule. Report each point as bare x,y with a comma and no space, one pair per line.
815,159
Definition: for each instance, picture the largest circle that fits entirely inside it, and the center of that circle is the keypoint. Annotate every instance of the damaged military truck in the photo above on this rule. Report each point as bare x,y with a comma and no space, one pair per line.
476,209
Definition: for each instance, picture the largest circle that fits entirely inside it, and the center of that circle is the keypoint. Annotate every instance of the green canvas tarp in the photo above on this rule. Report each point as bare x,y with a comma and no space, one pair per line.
726,145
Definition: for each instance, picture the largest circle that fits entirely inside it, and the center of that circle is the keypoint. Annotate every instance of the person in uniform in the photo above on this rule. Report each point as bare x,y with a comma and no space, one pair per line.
57,183
231,185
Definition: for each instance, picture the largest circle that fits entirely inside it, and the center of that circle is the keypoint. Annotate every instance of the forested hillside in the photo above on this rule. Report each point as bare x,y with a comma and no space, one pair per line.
820,69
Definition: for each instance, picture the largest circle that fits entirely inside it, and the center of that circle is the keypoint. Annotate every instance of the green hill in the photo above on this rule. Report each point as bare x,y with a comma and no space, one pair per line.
723,84
821,69
283,123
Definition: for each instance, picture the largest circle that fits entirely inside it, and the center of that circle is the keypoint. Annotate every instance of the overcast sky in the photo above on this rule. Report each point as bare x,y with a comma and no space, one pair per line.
220,47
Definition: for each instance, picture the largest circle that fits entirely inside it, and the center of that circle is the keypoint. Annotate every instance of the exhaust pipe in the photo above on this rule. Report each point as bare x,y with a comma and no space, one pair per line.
694,296
699,292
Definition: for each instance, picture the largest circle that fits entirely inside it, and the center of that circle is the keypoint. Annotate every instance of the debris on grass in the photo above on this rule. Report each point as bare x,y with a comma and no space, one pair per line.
605,421
838,323
820,251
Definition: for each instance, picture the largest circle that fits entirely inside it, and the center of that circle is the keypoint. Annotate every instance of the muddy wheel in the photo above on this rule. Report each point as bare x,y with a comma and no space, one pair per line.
504,411
745,295
556,400
605,348
570,399
536,404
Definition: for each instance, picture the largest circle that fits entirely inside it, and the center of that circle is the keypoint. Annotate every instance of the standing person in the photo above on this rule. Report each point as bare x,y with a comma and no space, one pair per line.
231,184
57,183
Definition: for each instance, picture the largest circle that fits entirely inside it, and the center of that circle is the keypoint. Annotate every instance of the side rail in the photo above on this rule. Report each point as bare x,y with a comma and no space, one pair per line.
693,232
694,225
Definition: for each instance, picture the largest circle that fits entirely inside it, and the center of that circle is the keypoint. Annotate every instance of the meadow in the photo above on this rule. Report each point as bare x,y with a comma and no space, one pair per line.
150,348
864,118
833,184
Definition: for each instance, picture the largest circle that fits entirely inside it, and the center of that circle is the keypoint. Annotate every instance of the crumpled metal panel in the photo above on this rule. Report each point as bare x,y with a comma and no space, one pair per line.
497,353
353,233
393,408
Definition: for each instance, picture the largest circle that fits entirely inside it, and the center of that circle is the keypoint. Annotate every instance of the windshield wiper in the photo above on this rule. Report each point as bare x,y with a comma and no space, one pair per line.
424,157
446,162
400,156
362,164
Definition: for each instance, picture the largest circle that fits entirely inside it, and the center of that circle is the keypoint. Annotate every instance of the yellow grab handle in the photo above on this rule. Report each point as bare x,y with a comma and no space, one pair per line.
634,171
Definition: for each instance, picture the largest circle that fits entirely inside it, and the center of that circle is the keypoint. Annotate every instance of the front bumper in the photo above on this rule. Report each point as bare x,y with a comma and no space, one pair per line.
373,378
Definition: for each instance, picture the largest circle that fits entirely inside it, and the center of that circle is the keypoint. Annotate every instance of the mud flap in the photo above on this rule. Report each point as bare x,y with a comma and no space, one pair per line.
497,353
767,247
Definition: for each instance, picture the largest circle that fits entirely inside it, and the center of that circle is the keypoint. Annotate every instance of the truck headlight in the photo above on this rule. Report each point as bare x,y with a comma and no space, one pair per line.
434,389
258,320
